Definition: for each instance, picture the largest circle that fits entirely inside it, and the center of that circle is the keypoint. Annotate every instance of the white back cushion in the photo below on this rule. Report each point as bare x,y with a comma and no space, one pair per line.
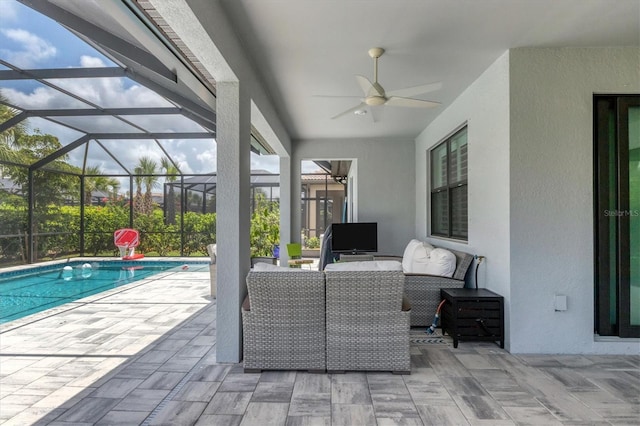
416,251
441,262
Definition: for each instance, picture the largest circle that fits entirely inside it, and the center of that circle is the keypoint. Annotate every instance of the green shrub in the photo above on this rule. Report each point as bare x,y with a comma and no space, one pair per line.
313,243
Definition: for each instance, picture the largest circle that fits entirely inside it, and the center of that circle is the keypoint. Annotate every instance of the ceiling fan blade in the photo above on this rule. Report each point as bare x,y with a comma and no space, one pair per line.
350,110
368,87
415,90
337,96
410,103
376,113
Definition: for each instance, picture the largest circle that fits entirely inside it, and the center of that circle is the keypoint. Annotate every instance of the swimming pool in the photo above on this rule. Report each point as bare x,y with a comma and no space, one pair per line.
28,291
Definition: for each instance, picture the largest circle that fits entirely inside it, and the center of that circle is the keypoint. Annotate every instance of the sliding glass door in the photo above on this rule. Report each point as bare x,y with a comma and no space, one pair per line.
617,216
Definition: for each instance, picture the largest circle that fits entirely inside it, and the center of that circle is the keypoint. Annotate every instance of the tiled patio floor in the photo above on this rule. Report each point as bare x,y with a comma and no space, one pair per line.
145,354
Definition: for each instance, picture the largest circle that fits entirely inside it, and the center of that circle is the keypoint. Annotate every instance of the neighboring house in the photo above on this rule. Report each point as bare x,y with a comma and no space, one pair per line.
323,202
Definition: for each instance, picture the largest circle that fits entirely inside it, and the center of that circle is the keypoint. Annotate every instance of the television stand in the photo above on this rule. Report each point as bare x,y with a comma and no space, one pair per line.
355,257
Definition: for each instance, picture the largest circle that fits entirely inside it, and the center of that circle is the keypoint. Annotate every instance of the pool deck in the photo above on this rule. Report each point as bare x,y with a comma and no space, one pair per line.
144,353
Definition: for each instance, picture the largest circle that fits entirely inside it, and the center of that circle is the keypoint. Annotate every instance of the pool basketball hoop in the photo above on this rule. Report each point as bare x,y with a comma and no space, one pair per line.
127,240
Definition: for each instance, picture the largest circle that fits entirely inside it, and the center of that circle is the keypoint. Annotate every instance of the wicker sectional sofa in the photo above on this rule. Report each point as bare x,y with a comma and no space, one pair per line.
326,321
423,290
283,321
367,325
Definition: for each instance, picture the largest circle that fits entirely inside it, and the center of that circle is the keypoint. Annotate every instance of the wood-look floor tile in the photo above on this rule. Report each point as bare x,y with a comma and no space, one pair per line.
142,400
400,421
218,420
210,373
349,377
265,414
272,392
441,415
597,399
197,391
571,379
278,376
444,364
308,421
395,408
310,404
480,407
627,414
312,383
464,386
565,407
116,388
122,418
233,403
162,380
350,393
88,410
352,414
179,413
474,361
239,383
532,416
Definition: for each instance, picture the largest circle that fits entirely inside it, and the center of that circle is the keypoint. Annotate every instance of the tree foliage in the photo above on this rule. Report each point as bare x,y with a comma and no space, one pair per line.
264,234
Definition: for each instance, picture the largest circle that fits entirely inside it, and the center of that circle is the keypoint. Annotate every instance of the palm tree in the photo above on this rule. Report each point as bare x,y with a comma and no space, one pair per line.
137,199
171,172
148,168
8,137
113,186
94,182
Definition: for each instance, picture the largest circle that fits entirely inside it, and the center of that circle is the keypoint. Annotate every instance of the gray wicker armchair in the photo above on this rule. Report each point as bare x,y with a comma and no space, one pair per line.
424,290
283,321
366,326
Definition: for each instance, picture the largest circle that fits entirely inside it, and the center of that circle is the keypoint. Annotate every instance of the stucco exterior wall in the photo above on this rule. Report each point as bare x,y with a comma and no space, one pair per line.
484,106
385,179
551,202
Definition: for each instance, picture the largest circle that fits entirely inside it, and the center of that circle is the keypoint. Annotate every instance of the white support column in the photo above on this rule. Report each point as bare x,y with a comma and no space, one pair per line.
296,199
285,208
233,135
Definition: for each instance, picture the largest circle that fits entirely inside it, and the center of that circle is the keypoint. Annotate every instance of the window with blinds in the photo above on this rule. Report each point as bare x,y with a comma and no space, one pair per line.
448,165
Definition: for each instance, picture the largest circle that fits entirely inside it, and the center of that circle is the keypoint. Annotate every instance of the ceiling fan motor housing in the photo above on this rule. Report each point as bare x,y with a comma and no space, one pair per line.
376,52
375,100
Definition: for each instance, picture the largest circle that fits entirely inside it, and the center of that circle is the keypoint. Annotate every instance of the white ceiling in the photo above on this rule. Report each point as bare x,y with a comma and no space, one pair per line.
307,48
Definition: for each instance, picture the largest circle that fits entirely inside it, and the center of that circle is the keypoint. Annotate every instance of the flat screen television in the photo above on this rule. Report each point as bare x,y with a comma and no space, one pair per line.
359,237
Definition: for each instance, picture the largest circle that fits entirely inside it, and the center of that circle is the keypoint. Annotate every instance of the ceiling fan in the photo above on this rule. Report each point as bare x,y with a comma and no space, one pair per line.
375,95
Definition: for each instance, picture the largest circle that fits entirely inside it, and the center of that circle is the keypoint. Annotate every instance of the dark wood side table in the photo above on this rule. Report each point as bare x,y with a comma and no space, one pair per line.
472,314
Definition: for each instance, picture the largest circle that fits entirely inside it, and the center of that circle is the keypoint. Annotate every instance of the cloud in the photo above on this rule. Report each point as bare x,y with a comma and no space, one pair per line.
33,49
9,11
195,156
270,163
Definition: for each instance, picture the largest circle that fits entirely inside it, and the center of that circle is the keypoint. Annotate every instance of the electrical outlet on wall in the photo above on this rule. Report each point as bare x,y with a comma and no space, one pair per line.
560,302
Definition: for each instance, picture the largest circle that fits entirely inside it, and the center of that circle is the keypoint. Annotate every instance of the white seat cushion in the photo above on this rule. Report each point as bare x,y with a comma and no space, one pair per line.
368,265
269,267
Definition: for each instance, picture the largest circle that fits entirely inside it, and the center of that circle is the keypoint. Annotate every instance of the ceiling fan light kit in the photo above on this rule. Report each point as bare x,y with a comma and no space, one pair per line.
375,95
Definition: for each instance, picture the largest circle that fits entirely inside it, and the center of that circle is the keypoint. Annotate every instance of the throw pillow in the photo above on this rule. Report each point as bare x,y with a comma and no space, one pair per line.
415,255
441,262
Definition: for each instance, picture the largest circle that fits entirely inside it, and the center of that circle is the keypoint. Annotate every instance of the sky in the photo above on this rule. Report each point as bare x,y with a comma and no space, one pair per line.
30,40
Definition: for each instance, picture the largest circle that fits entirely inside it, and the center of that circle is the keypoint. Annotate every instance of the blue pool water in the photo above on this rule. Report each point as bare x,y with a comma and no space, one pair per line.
29,291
